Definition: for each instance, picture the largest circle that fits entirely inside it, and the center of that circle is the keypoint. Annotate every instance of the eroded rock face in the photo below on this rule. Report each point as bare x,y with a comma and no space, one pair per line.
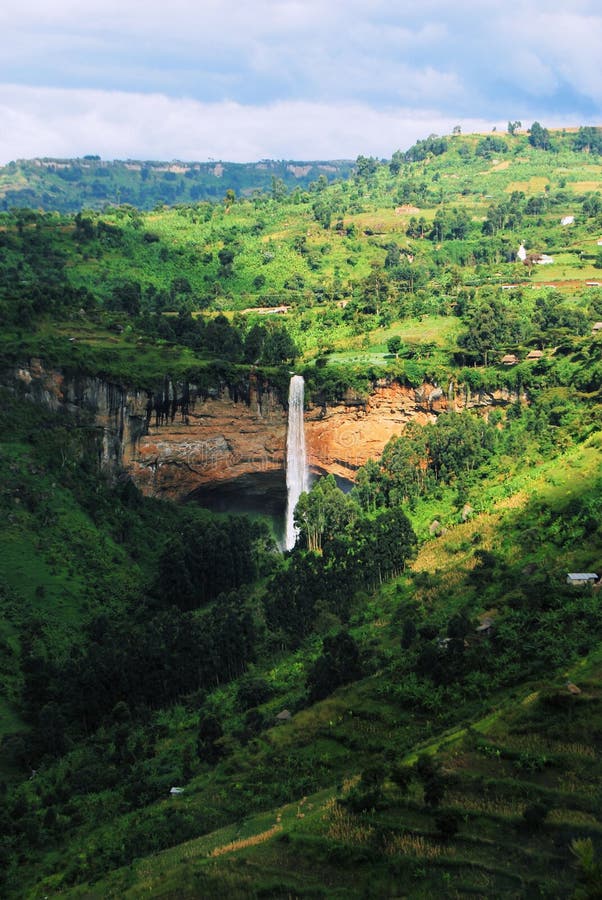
119,414
218,439
177,439
342,437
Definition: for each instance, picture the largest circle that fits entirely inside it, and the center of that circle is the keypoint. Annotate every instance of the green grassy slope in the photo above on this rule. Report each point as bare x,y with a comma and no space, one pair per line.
506,735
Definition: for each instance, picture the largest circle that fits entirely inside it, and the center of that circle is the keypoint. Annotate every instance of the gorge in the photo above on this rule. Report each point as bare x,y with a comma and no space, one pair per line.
225,445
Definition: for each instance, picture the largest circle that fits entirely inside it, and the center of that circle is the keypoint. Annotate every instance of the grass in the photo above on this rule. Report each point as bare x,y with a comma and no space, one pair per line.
491,847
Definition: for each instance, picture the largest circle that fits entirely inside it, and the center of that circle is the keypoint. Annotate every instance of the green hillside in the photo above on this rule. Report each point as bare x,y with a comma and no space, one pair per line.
409,703
68,185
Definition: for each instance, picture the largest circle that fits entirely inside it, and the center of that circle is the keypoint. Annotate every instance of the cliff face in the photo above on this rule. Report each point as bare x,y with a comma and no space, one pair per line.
119,414
177,438
343,437
219,438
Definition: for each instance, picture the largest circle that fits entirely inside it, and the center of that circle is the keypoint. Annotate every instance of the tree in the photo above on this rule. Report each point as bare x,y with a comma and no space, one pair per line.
209,734
588,139
375,289
368,793
405,466
339,664
492,324
432,780
513,126
539,137
447,824
322,212
431,146
126,297
459,442
535,814
253,343
592,205
323,512
278,347
222,339
380,546
396,162
226,258
394,345
490,145
368,486
402,776
408,635
366,165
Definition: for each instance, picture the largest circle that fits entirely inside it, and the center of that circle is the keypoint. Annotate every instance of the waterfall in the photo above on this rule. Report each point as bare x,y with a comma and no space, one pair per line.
297,476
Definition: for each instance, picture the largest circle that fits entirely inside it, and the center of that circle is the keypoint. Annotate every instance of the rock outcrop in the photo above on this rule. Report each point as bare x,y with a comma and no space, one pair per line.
179,438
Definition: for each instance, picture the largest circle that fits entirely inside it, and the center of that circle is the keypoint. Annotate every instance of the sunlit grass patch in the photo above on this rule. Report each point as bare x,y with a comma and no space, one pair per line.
243,843
583,187
417,846
343,826
535,185
495,806
572,817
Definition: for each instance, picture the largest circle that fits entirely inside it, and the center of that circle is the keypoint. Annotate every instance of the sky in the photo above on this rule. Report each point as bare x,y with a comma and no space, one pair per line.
243,80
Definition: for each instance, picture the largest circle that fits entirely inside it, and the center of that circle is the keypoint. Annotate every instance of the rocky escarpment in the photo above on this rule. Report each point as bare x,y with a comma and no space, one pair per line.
179,437
119,414
171,439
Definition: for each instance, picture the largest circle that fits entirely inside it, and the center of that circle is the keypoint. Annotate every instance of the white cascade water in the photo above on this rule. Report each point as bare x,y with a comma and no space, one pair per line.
297,476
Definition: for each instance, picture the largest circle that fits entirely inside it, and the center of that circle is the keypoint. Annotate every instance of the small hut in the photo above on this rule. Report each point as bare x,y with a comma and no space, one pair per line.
581,578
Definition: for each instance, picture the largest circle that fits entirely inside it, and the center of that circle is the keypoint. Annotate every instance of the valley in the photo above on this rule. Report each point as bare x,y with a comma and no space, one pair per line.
405,703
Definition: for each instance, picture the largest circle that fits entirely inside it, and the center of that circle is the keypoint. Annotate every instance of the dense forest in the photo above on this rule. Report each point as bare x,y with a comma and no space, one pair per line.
409,702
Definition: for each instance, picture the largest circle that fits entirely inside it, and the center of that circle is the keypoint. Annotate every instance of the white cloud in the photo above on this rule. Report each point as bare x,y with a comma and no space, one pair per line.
265,64
53,122
550,49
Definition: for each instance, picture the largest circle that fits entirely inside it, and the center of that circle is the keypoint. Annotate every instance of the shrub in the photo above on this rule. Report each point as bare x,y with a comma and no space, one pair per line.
447,824
535,814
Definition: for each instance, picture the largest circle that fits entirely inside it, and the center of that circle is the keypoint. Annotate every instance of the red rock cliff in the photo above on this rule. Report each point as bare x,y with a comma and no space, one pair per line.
178,439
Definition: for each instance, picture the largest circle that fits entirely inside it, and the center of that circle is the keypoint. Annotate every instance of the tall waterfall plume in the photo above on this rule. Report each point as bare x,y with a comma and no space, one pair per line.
297,475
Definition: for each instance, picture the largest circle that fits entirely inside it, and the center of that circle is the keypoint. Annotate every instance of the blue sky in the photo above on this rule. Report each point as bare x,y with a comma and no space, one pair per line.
286,79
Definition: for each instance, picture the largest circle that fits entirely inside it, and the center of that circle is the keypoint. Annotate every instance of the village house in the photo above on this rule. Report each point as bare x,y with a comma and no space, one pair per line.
581,578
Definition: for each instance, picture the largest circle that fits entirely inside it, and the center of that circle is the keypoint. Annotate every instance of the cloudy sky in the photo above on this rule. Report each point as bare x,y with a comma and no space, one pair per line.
304,79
